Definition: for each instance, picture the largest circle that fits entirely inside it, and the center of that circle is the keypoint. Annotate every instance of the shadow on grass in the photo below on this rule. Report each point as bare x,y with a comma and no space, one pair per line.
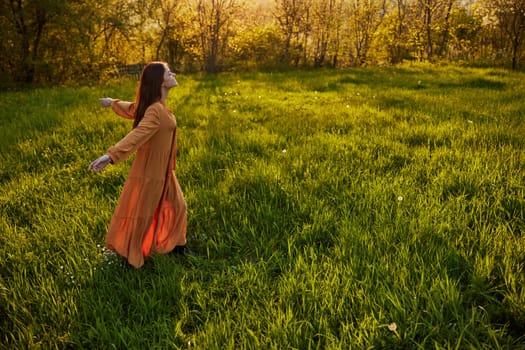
477,83
120,304
481,293
442,293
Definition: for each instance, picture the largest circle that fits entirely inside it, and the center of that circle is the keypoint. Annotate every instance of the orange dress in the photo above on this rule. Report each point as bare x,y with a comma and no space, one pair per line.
151,212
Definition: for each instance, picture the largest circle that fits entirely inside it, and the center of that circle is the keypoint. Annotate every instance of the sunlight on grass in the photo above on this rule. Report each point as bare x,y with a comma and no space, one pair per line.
371,208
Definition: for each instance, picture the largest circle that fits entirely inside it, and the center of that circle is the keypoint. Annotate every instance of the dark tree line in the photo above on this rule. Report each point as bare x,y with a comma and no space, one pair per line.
60,40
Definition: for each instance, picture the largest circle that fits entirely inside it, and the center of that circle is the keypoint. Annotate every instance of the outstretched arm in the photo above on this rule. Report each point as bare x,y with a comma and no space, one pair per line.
147,127
122,108
130,143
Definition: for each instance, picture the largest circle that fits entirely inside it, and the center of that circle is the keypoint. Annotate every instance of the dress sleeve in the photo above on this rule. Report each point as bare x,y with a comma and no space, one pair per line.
147,127
124,109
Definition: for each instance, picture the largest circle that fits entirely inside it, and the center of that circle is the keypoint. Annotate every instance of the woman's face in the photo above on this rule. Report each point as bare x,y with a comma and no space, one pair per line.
169,79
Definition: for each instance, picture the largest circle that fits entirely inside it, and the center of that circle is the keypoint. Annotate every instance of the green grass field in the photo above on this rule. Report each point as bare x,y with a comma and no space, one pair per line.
353,209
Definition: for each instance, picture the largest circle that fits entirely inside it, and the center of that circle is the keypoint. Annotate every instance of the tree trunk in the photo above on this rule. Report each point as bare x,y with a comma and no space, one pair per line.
428,27
444,40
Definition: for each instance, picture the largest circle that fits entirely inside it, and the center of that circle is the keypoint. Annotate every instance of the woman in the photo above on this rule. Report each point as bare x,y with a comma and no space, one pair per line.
151,212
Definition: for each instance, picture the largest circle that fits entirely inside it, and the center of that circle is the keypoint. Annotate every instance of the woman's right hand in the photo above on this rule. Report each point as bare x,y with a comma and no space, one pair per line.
105,101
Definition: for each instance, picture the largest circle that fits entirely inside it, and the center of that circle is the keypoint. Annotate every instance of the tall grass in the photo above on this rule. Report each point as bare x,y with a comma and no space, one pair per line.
371,208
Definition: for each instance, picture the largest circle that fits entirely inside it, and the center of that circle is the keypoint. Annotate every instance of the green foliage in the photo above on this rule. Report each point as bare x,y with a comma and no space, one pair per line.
255,48
61,41
329,209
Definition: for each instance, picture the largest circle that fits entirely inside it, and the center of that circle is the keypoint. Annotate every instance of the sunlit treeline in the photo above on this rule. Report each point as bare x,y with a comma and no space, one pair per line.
60,40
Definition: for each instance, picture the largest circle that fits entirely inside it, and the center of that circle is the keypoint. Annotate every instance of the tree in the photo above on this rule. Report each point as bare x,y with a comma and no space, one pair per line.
428,10
27,24
214,18
257,37
445,25
326,26
465,34
364,18
510,15
293,19
166,21
56,40
399,32
254,47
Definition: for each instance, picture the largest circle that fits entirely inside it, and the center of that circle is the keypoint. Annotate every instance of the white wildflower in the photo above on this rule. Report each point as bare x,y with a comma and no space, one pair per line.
392,327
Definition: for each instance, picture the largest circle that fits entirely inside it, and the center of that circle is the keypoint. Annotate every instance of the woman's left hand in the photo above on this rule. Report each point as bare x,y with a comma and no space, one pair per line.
100,163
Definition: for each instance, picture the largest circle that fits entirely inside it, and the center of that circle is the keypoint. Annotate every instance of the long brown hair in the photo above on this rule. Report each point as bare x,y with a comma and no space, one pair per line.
149,89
